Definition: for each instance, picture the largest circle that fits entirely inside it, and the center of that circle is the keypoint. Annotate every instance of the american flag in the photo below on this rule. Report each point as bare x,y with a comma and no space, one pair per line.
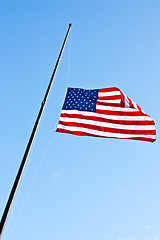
104,112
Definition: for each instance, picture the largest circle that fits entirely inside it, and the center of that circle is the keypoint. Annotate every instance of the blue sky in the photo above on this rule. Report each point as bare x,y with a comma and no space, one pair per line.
78,188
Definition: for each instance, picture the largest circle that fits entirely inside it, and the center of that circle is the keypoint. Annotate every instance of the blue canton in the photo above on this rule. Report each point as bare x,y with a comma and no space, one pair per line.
81,99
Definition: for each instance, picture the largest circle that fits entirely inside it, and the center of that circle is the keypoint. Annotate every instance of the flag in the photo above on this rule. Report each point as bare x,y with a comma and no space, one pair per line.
106,113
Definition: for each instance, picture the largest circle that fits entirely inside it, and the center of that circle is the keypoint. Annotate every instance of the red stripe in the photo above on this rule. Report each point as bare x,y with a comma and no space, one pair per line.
119,113
108,104
106,129
79,133
107,98
109,89
130,102
139,108
126,122
113,97
143,139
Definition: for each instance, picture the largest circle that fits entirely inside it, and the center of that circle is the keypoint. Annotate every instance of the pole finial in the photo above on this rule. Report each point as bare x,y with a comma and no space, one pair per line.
70,25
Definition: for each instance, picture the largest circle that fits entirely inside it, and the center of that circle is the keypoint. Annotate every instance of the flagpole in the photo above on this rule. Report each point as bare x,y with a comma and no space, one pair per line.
19,173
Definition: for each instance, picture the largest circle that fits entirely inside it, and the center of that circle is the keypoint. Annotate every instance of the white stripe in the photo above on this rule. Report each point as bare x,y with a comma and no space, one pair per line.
110,101
103,134
113,117
116,108
136,106
126,100
108,125
104,94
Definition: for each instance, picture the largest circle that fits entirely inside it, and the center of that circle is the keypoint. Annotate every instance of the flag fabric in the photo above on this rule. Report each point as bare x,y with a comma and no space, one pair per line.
106,113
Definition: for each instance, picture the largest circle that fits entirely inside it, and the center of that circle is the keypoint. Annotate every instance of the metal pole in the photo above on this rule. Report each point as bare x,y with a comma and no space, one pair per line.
17,179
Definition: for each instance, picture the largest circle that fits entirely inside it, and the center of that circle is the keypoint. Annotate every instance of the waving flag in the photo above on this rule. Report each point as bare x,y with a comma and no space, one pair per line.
104,112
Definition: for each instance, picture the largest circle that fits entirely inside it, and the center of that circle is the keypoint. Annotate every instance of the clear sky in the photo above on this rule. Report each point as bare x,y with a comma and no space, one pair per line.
78,188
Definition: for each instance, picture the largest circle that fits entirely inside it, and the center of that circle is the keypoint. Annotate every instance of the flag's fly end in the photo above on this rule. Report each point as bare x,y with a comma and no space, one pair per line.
105,113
